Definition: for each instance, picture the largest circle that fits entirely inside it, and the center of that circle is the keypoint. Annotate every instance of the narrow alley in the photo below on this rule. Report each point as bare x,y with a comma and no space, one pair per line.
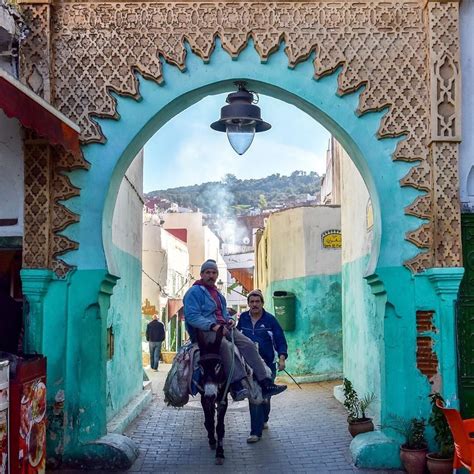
307,434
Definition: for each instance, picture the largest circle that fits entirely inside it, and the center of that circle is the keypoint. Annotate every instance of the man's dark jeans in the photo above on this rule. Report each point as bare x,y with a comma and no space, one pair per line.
259,413
155,351
258,416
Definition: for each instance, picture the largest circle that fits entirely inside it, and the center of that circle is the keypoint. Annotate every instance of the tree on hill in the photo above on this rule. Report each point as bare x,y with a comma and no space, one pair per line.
232,196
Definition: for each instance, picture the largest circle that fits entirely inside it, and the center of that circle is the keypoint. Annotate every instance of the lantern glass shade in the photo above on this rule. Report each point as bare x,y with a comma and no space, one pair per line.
240,135
241,119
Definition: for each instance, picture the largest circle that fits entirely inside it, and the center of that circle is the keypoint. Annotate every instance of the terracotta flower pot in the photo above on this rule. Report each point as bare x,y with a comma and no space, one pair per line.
413,460
167,357
360,426
437,465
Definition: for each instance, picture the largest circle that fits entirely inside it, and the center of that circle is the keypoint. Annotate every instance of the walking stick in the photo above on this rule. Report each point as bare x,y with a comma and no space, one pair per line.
292,378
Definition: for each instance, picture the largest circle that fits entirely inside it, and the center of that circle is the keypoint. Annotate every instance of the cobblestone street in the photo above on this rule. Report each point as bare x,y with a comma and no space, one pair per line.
307,434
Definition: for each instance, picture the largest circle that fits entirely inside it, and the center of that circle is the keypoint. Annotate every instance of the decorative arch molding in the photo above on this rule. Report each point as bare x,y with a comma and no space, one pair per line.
404,53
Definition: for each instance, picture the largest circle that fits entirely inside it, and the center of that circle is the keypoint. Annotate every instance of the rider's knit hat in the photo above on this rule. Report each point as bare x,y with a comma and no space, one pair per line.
255,292
209,264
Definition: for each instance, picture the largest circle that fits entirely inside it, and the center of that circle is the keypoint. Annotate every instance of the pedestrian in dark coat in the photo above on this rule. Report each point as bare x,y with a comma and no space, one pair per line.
264,329
155,335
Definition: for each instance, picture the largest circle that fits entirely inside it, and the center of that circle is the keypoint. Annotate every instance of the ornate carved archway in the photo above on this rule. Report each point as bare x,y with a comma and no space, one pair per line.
405,54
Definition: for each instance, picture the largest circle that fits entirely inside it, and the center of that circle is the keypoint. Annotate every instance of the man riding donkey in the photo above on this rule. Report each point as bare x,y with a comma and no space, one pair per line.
205,310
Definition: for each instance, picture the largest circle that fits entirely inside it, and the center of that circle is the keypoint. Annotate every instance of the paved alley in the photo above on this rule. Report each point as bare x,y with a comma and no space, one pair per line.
307,434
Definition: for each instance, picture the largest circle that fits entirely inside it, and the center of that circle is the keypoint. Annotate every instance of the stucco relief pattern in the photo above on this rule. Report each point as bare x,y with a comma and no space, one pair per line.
35,58
445,228
39,250
446,131
445,71
381,45
45,217
37,202
447,218
61,217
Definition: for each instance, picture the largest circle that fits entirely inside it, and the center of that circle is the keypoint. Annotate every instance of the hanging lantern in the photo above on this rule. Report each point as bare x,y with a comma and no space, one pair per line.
241,119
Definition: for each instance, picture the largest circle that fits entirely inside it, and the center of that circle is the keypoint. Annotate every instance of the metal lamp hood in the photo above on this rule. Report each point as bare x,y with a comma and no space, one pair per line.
240,119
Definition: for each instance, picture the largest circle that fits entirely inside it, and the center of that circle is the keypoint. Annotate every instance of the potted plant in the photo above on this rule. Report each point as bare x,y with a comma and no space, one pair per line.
356,408
441,461
413,451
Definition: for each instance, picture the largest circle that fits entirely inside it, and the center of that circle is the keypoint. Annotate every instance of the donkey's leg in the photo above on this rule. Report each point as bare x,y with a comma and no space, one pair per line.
220,429
209,409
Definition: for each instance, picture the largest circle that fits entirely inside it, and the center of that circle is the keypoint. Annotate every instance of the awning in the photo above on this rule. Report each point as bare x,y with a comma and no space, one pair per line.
244,276
174,306
33,112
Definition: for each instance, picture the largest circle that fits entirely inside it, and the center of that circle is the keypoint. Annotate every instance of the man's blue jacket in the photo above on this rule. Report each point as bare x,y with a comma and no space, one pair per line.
267,333
200,309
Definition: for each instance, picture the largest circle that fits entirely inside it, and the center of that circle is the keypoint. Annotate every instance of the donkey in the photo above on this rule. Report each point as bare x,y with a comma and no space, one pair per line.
213,391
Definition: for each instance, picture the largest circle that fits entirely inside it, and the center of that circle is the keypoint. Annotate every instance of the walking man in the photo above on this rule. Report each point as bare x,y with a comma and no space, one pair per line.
155,335
264,330
205,309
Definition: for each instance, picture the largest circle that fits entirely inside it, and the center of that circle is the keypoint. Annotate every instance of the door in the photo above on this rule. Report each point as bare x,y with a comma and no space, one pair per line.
465,320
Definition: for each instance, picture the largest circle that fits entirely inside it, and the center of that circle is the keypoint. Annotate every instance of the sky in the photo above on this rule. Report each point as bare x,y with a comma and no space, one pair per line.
186,151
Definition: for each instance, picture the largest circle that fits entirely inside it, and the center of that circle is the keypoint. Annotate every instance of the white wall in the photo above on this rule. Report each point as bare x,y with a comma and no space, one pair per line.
11,176
127,219
192,222
292,240
177,278
466,166
357,237
240,260
8,34
154,261
202,242
212,250
331,184
166,261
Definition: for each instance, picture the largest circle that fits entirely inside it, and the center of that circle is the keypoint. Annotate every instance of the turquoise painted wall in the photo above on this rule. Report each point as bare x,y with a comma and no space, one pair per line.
362,332
315,346
124,372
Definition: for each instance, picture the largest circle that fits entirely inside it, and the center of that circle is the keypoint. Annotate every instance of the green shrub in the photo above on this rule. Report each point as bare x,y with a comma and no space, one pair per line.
355,406
443,436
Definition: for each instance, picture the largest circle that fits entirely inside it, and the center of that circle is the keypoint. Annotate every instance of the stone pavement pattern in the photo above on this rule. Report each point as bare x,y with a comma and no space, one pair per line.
307,434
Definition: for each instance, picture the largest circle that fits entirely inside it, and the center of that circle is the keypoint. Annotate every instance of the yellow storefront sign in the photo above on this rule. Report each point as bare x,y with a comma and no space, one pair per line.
332,239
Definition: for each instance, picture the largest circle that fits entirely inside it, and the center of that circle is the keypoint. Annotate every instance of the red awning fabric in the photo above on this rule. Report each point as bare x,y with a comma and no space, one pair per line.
174,305
244,276
33,112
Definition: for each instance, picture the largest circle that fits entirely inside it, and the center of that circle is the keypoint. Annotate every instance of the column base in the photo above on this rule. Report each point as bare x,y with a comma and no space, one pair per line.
375,450
111,452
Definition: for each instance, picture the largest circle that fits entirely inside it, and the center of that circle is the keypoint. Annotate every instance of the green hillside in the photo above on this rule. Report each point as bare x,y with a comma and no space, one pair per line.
238,196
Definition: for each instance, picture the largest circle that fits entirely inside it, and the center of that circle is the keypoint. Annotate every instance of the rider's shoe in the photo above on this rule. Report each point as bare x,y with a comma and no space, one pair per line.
240,395
253,439
269,388
238,392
